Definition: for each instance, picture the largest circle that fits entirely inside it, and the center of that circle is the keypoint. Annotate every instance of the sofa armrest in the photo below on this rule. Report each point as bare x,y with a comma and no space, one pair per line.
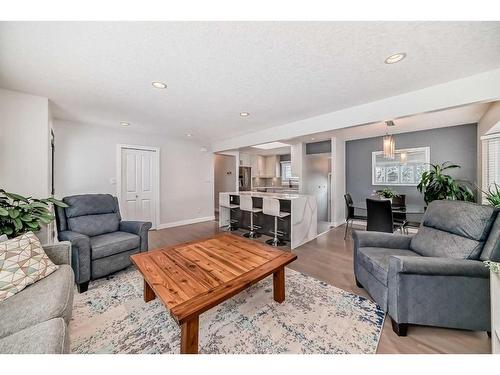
80,254
380,239
59,253
431,266
140,228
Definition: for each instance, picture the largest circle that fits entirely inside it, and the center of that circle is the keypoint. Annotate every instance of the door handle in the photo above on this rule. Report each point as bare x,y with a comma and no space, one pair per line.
137,196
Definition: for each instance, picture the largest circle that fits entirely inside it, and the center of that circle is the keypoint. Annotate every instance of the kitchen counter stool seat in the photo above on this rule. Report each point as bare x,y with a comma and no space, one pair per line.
246,204
271,207
225,201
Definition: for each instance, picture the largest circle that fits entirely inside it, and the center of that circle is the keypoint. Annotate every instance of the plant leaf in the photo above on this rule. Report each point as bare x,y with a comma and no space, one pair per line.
16,197
14,213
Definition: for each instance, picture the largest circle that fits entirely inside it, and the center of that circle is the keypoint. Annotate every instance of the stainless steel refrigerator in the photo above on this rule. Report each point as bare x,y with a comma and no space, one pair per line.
245,179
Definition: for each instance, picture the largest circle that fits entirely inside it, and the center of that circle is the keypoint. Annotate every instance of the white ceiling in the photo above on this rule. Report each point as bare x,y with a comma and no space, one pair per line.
463,115
101,72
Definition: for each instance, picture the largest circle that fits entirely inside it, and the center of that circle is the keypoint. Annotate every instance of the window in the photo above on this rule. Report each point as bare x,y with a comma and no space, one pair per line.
491,160
404,170
286,171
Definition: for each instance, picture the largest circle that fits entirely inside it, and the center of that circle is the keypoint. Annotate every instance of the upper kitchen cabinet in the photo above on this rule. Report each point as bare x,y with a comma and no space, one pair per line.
254,163
272,166
245,160
296,159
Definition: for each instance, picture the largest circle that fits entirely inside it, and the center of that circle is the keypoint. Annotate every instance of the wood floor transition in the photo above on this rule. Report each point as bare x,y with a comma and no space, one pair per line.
329,258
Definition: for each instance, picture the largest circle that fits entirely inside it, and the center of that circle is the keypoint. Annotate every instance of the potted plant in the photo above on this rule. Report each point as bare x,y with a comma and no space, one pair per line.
435,184
387,193
20,214
493,195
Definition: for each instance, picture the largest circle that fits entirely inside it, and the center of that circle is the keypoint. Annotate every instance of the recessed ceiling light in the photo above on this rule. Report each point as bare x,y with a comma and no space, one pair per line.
124,123
312,139
159,85
397,57
244,114
189,135
271,145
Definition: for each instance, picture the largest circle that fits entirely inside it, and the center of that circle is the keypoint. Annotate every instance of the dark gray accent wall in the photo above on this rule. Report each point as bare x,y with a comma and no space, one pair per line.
287,157
456,144
319,147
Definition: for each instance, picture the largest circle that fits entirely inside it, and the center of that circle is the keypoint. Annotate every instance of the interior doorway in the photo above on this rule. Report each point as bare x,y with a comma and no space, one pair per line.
225,177
138,183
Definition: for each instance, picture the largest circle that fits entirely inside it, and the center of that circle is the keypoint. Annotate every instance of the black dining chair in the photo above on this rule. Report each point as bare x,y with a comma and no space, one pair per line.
349,211
399,202
379,216
400,218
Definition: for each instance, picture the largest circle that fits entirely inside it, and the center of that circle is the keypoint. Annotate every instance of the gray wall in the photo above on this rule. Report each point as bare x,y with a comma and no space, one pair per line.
319,147
224,176
456,144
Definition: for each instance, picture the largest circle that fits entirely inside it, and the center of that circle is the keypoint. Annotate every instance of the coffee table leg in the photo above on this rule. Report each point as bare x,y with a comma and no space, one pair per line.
149,295
279,285
189,336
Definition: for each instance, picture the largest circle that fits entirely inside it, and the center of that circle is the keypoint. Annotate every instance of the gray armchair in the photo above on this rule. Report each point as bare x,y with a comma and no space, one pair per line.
101,242
435,277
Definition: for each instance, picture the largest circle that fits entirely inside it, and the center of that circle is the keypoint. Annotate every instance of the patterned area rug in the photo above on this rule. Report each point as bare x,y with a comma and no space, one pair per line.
111,317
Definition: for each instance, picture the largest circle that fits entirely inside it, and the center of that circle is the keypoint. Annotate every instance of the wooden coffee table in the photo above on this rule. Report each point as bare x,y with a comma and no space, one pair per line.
193,277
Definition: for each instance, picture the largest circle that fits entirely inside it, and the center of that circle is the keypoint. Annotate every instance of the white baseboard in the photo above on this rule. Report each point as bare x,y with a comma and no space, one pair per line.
336,224
185,222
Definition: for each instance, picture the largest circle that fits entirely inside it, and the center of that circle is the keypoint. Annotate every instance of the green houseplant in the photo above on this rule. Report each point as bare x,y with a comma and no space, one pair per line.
20,214
493,195
387,193
435,184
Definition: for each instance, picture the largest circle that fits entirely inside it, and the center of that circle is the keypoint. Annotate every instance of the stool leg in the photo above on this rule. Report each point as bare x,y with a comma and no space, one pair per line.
252,233
275,241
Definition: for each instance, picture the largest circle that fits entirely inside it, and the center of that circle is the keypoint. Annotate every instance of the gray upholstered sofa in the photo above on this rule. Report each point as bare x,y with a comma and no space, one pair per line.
101,242
35,320
437,276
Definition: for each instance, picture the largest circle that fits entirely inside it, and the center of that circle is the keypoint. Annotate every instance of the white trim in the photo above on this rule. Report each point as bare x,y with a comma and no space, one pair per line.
156,158
490,136
185,222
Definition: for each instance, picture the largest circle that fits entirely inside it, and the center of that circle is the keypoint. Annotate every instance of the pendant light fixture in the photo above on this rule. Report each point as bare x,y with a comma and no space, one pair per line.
389,142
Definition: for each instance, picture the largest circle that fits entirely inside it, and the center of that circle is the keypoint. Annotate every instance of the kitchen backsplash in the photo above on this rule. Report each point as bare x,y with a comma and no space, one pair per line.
267,182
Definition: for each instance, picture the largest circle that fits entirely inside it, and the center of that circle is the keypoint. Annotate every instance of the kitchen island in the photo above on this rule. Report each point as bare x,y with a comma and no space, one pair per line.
300,227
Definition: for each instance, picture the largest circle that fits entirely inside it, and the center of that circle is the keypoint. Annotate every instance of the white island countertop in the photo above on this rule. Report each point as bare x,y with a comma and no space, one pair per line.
256,194
303,214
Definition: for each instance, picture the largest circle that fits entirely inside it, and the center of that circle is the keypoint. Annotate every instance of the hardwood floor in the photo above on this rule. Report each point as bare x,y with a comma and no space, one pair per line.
329,258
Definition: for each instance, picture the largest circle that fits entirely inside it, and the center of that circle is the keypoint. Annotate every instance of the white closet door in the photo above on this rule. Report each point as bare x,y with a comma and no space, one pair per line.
137,185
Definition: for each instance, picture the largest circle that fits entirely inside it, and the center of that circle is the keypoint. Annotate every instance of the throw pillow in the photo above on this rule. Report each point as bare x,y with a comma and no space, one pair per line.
22,262
3,237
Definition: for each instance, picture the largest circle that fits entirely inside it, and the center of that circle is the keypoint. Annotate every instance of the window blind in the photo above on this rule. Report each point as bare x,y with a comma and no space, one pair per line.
286,171
492,161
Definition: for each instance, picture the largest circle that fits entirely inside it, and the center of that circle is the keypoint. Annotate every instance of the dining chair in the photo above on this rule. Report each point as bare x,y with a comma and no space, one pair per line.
350,216
399,201
379,216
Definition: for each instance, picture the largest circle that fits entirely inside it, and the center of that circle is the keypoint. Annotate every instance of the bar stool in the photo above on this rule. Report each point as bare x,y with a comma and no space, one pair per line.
271,207
246,204
225,201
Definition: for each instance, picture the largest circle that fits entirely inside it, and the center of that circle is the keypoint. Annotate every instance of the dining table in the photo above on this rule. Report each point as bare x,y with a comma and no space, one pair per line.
407,209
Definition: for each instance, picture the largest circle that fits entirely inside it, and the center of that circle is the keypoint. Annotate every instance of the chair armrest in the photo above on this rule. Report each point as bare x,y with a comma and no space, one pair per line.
59,253
380,239
80,254
140,228
431,266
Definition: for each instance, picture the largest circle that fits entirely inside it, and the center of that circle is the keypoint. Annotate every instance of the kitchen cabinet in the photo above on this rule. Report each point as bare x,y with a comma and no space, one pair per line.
265,166
261,166
254,165
245,160
296,159
272,163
